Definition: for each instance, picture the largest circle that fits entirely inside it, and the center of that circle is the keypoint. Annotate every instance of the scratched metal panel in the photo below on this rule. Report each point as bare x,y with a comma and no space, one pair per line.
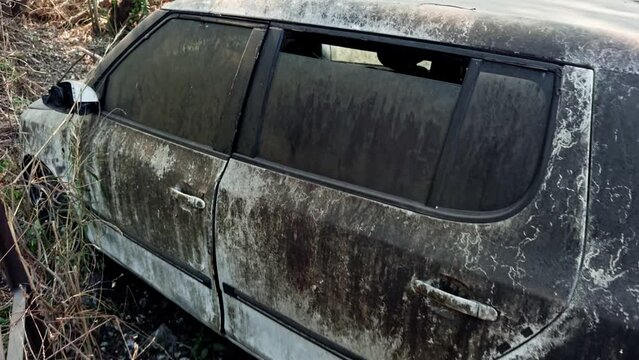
340,264
129,175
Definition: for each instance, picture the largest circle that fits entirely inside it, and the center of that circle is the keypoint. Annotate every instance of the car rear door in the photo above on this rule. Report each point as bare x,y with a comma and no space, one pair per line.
406,202
156,153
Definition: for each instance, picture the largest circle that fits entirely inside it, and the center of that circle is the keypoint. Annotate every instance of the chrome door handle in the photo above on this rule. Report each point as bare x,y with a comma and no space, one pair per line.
465,306
193,201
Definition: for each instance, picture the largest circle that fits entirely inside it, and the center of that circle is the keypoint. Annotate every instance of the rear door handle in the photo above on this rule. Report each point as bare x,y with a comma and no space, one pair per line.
193,201
465,306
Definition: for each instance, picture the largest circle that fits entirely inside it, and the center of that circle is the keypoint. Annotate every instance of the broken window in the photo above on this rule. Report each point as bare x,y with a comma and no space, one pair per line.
343,113
407,122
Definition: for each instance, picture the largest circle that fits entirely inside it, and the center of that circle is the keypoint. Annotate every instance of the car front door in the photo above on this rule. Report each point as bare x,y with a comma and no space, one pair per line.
401,203
156,153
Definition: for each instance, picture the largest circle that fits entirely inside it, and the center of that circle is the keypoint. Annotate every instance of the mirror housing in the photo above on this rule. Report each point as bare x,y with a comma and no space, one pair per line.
72,94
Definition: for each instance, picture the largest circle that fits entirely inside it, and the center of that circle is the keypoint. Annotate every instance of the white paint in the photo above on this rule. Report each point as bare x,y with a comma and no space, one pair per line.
161,161
264,337
48,136
188,293
81,92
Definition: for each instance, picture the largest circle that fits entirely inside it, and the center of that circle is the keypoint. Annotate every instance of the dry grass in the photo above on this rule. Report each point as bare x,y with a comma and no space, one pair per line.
65,294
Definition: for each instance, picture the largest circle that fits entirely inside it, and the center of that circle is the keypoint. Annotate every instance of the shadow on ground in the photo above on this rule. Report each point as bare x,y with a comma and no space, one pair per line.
153,325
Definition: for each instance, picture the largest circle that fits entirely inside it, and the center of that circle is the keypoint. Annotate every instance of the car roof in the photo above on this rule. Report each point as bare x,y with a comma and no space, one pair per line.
594,33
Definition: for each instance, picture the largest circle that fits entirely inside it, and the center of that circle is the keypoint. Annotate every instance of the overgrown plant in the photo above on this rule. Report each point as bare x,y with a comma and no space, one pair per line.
48,227
48,220
110,15
48,223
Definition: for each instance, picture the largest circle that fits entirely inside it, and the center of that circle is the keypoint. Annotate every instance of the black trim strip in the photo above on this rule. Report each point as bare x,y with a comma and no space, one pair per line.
291,325
222,20
149,131
178,264
449,147
447,48
250,125
393,200
236,101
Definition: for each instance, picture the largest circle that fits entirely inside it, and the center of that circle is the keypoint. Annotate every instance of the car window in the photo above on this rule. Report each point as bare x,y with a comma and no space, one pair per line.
500,140
403,121
179,79
340,117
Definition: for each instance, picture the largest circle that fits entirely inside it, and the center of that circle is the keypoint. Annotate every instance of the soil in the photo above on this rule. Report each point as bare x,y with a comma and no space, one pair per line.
154,324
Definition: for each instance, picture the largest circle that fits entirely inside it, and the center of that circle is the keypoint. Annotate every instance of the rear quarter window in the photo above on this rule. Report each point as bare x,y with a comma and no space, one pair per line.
496,149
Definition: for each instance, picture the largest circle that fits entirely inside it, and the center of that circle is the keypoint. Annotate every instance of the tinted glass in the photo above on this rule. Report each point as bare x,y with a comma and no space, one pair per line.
498,149
179,79
357,120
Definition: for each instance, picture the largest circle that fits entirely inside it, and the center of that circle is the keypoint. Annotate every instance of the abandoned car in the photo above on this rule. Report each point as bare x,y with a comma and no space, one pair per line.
380,180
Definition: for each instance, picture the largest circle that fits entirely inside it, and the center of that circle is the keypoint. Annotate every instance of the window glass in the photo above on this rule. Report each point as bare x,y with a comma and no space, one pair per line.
178,80
403,121
497,151
379,124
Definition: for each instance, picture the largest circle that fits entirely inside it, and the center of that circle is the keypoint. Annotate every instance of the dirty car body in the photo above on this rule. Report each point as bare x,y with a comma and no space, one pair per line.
371,180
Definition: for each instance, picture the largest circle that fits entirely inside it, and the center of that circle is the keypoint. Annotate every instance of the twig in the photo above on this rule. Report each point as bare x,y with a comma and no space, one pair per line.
115,39
90,53
74,19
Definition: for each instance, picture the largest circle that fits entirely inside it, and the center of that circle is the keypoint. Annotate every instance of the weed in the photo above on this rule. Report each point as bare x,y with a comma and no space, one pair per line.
19,103
6,66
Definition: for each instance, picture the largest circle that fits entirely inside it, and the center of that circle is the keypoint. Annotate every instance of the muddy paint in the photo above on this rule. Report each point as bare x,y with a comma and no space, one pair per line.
180,288
160,195
51,136
342,265
128,178
334,277
132,178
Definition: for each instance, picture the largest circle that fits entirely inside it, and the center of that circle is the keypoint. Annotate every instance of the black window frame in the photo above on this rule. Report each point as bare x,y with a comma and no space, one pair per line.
237,98
265,68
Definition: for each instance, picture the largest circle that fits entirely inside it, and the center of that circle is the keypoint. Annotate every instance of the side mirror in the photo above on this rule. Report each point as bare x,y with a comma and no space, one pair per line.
69,93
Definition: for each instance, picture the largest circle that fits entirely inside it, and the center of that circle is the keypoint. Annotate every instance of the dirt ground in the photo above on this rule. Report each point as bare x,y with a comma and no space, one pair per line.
141,323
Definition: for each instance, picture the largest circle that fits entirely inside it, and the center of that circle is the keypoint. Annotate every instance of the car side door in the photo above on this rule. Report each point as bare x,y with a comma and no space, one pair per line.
155,154
396,200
